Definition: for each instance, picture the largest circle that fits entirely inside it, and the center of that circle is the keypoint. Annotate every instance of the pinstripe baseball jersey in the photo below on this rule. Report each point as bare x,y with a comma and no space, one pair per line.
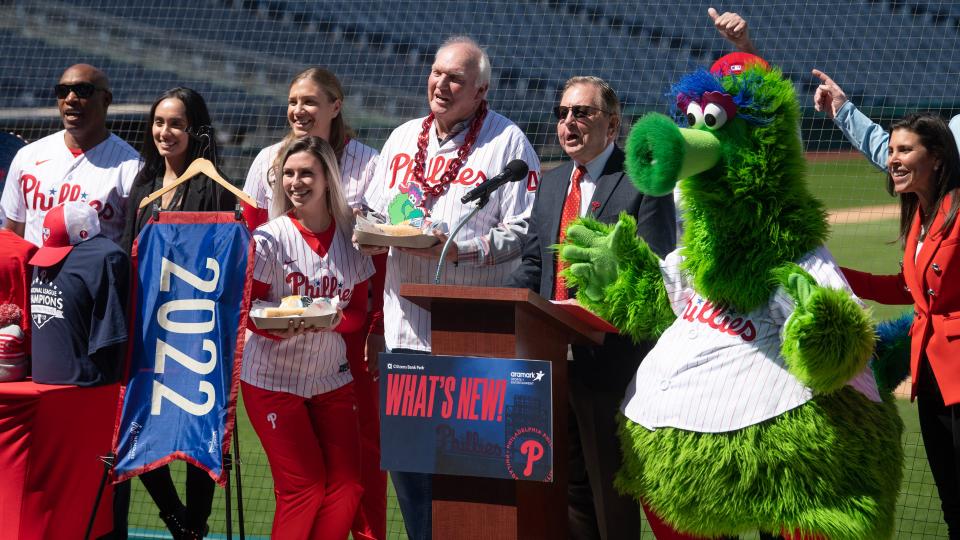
45,174
489,245
314,362
356,169
715,370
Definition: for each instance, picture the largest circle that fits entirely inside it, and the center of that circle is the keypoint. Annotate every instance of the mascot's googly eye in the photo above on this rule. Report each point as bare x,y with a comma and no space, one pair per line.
714,116
694,115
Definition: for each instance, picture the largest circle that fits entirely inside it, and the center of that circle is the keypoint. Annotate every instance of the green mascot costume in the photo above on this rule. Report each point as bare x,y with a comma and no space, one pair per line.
757,409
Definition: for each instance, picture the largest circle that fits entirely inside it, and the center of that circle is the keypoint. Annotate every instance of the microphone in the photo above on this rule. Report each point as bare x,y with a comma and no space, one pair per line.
515,170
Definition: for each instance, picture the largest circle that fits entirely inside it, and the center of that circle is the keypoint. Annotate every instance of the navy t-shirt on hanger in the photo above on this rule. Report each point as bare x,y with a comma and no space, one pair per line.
79,316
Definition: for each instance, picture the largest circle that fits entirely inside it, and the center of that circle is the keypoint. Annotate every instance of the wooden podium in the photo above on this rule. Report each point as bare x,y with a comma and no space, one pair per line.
503,323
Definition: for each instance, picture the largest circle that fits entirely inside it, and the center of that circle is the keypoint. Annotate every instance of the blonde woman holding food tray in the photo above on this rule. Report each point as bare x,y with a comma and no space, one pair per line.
315,100
296,383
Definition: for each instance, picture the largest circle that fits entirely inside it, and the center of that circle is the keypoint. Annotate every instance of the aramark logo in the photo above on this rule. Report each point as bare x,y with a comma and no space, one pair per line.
526,377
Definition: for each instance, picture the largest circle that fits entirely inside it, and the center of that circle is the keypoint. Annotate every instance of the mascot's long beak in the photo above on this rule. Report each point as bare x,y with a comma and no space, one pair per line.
660,154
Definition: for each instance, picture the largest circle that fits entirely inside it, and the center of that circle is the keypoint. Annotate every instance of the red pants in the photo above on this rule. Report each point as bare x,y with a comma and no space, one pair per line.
371,521
313,446
663,531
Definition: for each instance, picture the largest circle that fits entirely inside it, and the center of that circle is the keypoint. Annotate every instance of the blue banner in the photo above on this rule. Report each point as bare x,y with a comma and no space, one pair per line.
489,417
190,300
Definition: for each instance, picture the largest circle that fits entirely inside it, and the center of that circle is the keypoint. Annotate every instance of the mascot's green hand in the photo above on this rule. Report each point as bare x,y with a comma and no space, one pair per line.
617,276
800,285
829,338
593,251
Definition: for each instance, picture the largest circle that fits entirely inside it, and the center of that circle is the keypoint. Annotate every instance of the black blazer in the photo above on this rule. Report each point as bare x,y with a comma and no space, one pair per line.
199,194
613,363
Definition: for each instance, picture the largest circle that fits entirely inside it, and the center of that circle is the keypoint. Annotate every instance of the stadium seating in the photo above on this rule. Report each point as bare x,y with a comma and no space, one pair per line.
383,54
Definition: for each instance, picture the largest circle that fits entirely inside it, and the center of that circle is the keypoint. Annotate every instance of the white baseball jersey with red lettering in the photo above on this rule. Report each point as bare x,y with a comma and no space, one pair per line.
356,169
311,363
715,370
45,174
489,244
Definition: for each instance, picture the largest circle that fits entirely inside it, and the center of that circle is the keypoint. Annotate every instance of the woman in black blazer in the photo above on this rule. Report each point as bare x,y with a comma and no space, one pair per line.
170,144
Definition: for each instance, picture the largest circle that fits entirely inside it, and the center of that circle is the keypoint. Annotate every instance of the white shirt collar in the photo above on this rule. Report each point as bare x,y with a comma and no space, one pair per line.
595,167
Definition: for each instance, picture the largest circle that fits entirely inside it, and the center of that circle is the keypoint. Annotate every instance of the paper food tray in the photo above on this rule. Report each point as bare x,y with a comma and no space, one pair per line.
323,320
367,233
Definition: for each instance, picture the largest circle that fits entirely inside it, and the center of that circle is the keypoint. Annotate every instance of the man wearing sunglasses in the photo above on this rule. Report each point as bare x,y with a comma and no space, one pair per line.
83,162
593,183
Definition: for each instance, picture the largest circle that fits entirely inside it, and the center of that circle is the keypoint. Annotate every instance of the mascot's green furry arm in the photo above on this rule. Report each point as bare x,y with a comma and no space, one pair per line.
617,276
829,338
740,296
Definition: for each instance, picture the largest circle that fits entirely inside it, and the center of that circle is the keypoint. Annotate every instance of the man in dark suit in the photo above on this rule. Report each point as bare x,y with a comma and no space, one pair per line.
593,184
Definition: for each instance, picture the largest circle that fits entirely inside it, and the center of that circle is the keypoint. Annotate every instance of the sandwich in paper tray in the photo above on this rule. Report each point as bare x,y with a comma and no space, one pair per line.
411,233
314,312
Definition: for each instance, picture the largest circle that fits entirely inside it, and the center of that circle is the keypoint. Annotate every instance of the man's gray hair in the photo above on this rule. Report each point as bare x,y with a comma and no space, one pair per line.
609,98
483,62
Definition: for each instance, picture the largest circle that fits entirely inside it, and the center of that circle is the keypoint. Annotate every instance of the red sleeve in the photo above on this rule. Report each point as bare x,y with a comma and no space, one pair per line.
259,291
355,314
375,319
254,216
890,290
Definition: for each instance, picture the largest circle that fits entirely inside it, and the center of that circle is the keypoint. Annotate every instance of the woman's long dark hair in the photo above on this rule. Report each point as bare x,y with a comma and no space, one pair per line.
197,117
936,137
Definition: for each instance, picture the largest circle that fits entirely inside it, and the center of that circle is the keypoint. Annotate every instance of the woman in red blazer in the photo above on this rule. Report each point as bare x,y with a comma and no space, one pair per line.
923,170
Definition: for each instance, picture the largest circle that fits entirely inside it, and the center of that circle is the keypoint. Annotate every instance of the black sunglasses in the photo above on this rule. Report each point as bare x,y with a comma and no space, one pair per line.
83,90
579,111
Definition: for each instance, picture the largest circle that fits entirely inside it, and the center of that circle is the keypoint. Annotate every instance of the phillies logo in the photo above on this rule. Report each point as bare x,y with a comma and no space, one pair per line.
530,451
84,234
36,199
46,234
402,165
322,287
719,319
533,451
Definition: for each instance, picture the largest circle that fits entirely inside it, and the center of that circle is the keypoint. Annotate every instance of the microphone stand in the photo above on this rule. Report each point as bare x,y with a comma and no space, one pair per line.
481,202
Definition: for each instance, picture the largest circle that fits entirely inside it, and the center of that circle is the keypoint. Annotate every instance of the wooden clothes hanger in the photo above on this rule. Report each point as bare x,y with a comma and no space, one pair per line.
199,166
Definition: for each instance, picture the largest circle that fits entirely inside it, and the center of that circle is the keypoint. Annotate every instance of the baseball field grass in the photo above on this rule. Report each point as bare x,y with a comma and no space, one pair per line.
864,235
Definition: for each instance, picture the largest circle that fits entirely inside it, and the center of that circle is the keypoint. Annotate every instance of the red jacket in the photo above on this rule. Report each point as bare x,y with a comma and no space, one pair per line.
930,284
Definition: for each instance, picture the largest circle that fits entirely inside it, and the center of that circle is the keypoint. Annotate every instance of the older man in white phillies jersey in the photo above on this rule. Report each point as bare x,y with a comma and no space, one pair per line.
419,170
84,162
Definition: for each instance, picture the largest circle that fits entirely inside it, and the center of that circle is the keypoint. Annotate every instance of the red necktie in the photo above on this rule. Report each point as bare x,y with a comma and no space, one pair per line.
571,211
